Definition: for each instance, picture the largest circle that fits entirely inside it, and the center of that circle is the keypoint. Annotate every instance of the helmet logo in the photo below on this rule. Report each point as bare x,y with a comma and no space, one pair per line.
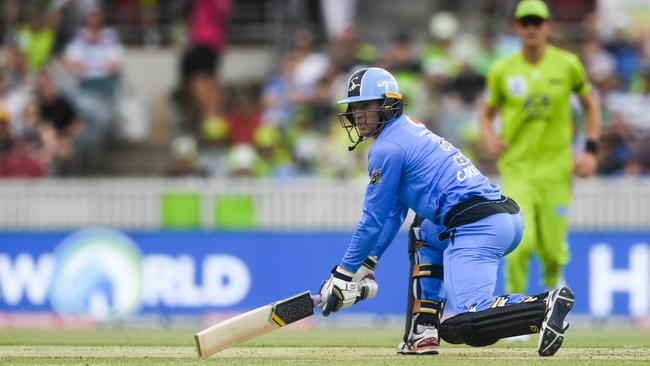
385,83
353,85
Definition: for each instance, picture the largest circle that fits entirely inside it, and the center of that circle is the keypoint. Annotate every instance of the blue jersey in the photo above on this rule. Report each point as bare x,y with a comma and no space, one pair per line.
411,167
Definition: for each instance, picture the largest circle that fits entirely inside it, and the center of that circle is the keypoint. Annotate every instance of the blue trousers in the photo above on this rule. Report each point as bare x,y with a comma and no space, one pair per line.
470,258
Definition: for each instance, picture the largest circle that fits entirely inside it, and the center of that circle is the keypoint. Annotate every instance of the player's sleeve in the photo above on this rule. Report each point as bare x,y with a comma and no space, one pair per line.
391,228
493,96
385,169
579,82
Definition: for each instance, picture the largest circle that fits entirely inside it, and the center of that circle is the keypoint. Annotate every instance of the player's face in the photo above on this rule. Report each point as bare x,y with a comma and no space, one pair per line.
533,31
366,116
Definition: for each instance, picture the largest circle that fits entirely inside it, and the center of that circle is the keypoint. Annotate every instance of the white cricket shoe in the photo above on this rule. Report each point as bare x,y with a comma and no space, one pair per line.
558,305
424,341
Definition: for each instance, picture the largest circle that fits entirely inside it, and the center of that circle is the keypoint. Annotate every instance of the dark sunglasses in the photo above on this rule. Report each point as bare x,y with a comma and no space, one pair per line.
531,20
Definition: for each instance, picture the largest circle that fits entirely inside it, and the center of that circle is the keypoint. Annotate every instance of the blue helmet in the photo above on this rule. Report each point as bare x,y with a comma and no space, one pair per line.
371,84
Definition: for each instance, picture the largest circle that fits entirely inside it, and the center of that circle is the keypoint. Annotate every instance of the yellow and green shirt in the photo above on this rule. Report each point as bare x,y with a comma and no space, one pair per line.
533,102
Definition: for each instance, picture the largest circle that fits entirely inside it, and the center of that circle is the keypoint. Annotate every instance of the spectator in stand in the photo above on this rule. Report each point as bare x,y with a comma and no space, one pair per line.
215,142
618,142
21,161
200,63
599,64
404,65
13,101
15,68
644,153
274,159
487,54
10,11
626,55
140,17
244,116
94,58
57,112
468,85
5,132
277,103
438,63
310,67
36,39
321,108
242,160
184,158
346,52
305,143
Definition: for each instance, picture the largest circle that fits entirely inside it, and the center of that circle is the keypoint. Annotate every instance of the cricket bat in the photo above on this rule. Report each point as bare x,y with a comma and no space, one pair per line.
255,323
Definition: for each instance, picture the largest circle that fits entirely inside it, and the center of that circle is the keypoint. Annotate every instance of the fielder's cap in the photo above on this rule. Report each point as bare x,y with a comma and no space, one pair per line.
536,8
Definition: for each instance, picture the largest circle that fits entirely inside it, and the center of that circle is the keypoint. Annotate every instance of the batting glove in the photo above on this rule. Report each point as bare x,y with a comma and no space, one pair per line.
340,291
367,269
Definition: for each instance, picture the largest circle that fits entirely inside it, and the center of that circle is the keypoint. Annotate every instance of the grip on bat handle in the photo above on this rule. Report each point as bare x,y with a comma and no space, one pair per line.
317,300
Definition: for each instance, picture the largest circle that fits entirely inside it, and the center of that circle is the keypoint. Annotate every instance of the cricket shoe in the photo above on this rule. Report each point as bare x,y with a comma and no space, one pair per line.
424,341
558,304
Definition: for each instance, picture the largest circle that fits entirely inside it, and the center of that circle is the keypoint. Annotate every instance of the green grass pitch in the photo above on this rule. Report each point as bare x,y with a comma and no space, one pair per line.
306,347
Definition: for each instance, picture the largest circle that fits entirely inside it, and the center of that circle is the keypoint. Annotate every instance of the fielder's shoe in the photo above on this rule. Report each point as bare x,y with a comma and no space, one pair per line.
424,341
558,305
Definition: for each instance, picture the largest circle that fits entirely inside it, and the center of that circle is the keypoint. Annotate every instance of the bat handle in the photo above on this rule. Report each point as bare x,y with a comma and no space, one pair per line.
317,300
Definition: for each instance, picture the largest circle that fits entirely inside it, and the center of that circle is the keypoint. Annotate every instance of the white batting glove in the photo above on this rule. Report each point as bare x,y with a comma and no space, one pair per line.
340,292
367,269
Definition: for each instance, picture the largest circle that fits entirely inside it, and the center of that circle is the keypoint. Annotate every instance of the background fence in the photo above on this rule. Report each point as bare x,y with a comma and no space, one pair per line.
303,204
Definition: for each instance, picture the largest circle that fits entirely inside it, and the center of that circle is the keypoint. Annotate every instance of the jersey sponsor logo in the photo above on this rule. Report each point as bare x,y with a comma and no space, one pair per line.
461,159
517,86
467,172
537,105
556,81
375,176
444,144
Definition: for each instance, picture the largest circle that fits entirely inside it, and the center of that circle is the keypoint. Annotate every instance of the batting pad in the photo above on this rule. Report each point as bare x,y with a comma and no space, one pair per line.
486,327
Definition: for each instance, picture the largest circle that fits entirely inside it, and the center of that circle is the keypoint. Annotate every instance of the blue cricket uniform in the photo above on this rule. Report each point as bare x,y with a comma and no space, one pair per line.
411,167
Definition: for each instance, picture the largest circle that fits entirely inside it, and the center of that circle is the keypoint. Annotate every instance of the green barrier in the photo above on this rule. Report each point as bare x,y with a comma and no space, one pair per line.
181,210
234,212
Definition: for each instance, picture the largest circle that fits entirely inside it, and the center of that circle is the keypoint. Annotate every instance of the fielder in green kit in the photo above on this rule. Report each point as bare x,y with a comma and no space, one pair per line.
530,90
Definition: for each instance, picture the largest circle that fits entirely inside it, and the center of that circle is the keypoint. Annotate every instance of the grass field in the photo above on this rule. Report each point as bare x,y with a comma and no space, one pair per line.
306,347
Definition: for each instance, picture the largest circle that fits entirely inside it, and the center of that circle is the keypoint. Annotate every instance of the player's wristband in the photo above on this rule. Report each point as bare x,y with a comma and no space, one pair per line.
370,262
591,147
342,274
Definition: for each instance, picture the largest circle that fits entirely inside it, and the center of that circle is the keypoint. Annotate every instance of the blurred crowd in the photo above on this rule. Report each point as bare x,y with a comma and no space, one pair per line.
62,101
59,79
288,125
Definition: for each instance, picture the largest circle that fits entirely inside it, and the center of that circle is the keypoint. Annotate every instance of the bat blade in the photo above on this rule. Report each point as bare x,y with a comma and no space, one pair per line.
254,323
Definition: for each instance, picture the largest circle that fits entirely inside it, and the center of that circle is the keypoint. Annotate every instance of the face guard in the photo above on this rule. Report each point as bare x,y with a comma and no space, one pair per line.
390,108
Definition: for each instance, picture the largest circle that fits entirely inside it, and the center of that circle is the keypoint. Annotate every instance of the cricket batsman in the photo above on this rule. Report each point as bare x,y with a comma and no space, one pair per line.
463,228
530,90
